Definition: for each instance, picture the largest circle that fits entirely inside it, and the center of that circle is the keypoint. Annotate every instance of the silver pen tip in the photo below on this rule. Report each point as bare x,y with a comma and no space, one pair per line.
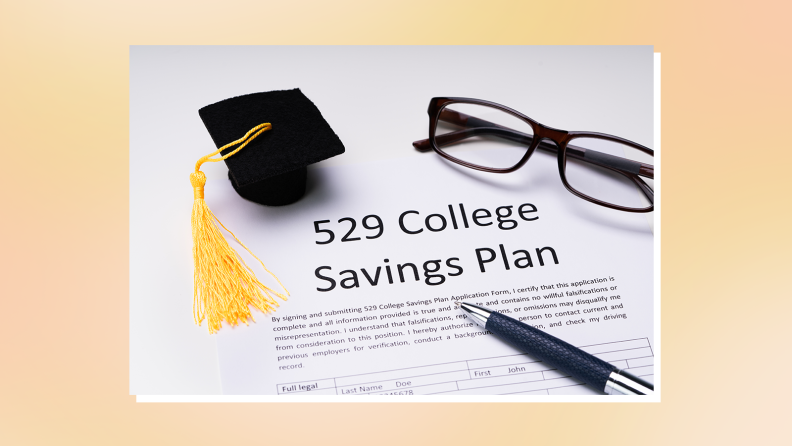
458,304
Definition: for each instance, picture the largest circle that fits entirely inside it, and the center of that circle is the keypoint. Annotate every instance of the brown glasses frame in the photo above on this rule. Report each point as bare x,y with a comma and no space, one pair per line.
472,126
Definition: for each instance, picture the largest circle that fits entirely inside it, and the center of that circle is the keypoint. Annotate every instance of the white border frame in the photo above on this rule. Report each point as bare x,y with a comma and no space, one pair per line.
486,398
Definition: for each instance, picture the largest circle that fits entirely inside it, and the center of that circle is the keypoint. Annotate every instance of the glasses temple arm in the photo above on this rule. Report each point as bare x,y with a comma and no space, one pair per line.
645,188
475,126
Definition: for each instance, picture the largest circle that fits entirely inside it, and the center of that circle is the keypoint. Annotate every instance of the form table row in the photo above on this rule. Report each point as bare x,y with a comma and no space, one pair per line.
497,375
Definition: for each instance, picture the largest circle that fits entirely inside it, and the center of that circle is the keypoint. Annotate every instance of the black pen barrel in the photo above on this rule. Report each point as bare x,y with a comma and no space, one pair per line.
556,353
551,350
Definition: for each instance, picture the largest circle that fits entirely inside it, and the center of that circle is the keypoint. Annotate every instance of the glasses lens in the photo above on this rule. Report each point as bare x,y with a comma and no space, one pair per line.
482,135
608,170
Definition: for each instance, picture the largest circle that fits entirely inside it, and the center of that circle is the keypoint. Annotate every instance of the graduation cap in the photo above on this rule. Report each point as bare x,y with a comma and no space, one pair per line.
283,132
272,170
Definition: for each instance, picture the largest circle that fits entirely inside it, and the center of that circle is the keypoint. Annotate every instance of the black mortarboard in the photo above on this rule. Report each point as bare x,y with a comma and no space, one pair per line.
272,169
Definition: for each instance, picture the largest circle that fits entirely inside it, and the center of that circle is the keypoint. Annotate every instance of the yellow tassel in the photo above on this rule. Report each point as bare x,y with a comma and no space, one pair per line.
224,286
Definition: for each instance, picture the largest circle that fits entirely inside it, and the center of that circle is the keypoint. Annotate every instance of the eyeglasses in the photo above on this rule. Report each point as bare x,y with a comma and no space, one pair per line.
482,135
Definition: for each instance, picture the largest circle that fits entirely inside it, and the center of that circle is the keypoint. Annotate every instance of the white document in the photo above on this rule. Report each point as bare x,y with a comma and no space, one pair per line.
375,314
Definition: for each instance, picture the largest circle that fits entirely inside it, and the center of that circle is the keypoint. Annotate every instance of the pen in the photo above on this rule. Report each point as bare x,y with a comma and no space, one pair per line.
563,356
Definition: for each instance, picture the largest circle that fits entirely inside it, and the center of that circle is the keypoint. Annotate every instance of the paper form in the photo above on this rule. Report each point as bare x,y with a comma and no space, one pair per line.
371,308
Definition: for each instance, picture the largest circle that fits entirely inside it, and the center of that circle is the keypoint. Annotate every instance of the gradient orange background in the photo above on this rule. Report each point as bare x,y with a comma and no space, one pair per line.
64,223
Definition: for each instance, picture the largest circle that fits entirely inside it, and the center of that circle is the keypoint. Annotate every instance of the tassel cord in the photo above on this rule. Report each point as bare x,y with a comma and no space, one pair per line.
259,129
